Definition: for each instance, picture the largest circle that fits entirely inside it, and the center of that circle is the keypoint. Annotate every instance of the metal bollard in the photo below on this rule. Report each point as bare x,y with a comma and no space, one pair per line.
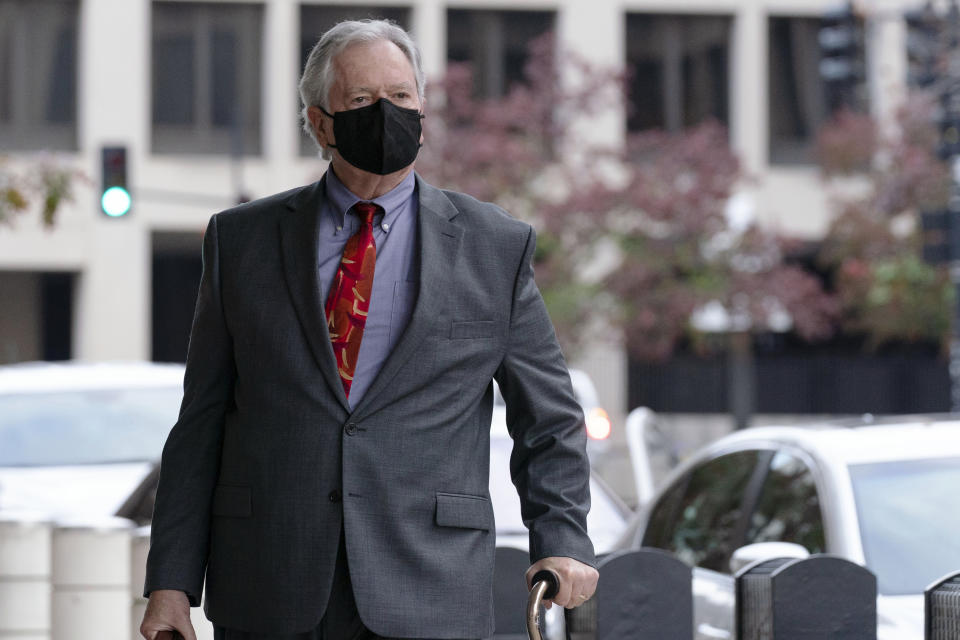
817,597
942,608
24,577
91,579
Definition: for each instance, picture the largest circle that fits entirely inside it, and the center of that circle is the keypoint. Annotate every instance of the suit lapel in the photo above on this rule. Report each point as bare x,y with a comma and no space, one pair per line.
439,242
298,241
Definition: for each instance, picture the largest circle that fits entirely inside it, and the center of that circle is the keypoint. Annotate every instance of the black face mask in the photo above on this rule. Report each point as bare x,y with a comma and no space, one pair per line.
380,138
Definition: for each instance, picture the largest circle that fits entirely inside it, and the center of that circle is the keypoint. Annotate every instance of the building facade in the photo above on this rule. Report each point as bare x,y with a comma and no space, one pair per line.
203,97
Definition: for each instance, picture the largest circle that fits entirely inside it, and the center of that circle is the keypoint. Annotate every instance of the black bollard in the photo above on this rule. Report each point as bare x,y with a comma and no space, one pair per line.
942,608
810,599
510,593
641,594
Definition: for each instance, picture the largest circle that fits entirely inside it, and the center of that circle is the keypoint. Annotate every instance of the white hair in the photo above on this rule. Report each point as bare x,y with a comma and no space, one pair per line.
318,72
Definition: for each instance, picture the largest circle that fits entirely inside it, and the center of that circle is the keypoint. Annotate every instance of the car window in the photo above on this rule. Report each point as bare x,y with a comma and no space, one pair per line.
703,531
659,532
86,427
788,508
909,513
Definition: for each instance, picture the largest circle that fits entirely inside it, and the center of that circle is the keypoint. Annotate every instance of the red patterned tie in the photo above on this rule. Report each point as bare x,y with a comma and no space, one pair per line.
349,298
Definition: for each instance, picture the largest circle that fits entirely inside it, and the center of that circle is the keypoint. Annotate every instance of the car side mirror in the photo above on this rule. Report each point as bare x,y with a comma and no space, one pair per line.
765,551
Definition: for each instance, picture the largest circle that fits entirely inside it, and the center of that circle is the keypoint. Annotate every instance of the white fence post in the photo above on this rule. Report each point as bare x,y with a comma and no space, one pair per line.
24,578
139,548
91,580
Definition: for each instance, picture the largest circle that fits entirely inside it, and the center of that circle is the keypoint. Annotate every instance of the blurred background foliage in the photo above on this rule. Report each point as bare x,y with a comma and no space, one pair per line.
44,184
639,238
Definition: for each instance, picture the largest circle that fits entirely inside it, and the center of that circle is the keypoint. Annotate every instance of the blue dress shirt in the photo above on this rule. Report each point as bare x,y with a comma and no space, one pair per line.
394,278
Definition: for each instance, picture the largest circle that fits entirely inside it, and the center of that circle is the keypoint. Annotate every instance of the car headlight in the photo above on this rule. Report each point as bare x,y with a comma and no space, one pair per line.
598,424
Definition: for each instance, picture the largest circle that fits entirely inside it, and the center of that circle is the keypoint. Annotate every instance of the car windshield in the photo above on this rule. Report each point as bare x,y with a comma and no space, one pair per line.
909,514
86,427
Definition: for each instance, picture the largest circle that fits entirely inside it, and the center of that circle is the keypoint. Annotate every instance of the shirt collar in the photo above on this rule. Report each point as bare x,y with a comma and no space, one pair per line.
341,199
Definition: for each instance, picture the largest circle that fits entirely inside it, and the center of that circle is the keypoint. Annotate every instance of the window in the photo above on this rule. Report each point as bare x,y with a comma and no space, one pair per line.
678,70
705,526
206,78
659,532
38,74
316,19
909,519
799,99
495,44
788,509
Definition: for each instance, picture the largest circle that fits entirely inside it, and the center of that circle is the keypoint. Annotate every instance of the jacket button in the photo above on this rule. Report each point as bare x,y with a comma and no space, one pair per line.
335,496
351,429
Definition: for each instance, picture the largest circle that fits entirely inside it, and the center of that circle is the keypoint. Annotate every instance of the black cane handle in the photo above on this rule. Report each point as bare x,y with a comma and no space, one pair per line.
552,578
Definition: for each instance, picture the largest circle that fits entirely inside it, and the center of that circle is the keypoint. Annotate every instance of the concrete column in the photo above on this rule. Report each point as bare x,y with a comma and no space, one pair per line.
139,549
24,579
748,110
114,83
113,314
281,63
430,32
886,42
596,32
113,293
91,580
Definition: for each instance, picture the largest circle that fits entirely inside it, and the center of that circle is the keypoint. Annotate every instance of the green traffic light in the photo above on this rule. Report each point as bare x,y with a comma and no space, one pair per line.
115,202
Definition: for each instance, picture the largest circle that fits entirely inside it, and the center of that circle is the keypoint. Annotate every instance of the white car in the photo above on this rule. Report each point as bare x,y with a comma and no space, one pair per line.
76,439
606,521
883,495
608,513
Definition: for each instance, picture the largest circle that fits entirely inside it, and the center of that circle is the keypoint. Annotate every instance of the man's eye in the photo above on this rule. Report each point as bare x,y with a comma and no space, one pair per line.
402,95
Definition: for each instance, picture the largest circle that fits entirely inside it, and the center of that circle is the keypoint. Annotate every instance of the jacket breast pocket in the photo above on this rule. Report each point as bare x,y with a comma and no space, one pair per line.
464,511
232,501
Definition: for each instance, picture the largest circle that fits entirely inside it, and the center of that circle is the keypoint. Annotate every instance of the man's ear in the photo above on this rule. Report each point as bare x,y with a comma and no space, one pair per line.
322,126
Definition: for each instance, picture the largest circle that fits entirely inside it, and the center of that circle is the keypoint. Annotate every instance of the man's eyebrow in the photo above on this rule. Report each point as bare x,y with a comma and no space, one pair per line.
361,89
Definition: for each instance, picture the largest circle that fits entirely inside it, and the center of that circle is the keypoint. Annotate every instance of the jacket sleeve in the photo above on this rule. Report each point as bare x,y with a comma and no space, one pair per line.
191,456
549,462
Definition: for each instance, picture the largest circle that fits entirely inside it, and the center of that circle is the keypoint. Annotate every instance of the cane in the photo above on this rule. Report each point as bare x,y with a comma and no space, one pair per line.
546,584
169,635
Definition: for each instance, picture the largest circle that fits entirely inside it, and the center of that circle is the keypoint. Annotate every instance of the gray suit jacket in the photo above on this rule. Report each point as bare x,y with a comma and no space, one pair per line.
265,447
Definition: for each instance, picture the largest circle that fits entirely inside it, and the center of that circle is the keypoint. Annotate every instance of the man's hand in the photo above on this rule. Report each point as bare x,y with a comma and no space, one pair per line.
167,610
578,581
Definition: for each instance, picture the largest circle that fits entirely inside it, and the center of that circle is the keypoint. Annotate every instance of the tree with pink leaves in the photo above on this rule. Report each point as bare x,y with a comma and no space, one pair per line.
633,237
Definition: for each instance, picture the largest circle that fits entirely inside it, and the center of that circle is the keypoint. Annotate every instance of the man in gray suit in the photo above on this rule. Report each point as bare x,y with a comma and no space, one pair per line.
328,474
